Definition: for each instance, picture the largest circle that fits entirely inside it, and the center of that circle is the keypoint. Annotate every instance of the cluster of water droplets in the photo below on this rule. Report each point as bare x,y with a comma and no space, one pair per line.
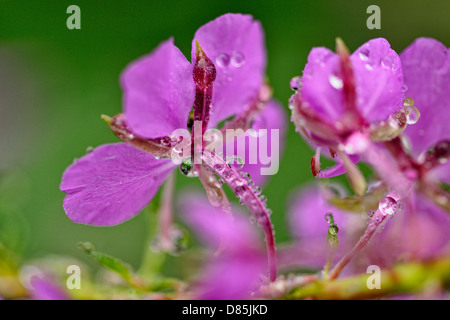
236,60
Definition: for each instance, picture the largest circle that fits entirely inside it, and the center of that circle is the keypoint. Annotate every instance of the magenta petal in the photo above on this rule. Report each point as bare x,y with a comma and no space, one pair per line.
112,184
45,289
158,92
426,68
379,79
317,90
238,262
307,214
273,117
235,43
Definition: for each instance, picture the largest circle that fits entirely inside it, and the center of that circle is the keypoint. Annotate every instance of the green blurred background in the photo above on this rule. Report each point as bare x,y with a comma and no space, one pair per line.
55,83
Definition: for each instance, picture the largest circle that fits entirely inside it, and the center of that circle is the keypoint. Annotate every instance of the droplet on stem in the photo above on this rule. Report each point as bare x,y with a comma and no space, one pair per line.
387,206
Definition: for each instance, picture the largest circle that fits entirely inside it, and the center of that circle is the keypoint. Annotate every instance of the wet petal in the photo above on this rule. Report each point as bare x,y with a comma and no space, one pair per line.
378,76
158,92
112,184
235,43
322,88
379,79
426,68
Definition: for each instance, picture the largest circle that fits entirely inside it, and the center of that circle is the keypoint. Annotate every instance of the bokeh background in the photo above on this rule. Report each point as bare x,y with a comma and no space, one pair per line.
55,83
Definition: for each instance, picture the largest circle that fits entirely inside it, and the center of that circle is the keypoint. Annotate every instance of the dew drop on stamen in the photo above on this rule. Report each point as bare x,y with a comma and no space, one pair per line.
412,114
295,83
237,59
387,206
336,82
223,60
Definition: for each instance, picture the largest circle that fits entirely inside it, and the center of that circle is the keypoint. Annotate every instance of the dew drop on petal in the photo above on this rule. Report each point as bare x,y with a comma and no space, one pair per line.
369,66
223,60
364,54
336,82
387,206
237,59
388,63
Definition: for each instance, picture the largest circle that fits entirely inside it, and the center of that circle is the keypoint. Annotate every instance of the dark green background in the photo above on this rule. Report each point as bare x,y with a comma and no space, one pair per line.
59,81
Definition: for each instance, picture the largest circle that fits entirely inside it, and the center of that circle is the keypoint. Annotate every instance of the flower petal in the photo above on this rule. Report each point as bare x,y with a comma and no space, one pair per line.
158,92
273,117
238,263
235,43
379,79
112,184
426,68
46,289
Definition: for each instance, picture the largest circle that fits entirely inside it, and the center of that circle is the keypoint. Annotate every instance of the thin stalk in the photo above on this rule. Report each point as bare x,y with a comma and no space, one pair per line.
248,197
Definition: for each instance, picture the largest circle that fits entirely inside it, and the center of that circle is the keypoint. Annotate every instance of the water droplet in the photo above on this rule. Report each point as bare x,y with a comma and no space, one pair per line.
412,114
295,83
239,191
369,66
218,167
336,82
397,120
387,206
236,163
263,198
131,136
364,54
165,141
388,63
89,149
241,202
370,213
228,175
223,60
220,181
186,167
257,190
252,220
408,102
333,229
211,109
328,216
237,59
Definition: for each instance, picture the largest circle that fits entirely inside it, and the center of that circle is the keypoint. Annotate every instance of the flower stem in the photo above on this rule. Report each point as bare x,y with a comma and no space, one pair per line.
250,198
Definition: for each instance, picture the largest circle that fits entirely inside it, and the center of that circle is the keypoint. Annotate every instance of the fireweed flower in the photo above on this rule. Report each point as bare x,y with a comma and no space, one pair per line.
344,102
164,93
339,115
236,267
